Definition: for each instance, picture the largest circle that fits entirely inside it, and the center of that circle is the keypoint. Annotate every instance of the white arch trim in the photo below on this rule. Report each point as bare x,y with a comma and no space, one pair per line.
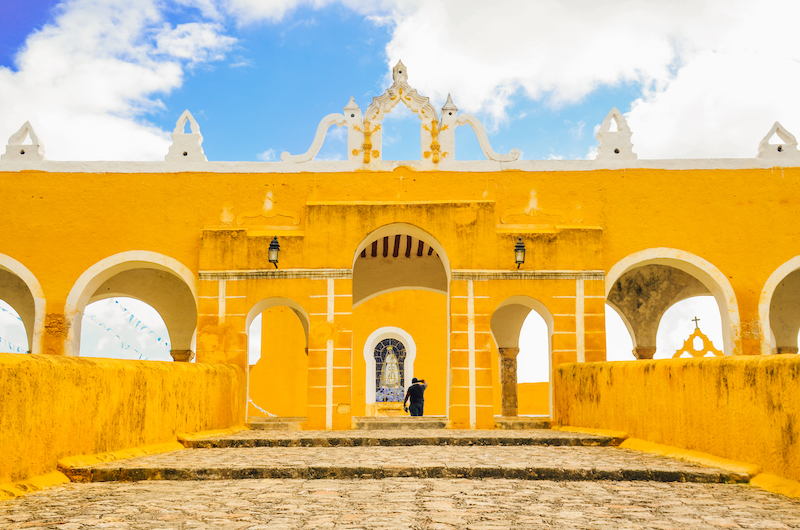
765,300
396,289
387,332
406,229
268,303
39,306
94,276
710,276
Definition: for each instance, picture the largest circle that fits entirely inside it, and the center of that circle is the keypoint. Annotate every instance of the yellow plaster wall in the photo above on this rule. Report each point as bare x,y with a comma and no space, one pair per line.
740,408
423,315
533,399
279,380
321,218
52,407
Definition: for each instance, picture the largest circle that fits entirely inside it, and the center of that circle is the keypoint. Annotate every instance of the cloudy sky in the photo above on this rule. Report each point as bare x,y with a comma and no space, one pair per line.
107,79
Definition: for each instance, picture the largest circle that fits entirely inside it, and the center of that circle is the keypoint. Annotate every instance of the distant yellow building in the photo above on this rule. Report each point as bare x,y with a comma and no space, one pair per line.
392,270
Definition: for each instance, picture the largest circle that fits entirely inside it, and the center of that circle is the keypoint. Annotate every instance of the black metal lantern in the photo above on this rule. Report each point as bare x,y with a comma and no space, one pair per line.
274,250
519,252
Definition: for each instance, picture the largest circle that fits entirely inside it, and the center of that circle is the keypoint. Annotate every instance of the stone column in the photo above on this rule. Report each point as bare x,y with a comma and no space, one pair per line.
644,352
182,356
508,380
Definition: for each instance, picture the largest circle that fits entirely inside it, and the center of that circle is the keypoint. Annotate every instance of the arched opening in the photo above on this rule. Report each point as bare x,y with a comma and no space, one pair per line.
779,310
400,279
159,281
13,336
277,331
22,312
677,325
619,337
124,328
644,285
523,326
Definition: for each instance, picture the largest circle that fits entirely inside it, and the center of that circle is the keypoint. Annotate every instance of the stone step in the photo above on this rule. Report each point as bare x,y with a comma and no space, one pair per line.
398,438
477,462
522,422
403,422
276,424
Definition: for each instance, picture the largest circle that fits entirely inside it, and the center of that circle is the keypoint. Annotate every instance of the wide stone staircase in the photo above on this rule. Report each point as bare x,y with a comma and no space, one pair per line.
401,473
379,448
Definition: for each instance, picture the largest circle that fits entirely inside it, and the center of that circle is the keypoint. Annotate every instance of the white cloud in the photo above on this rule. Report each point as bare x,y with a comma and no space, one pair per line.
267,156
87,80
715,74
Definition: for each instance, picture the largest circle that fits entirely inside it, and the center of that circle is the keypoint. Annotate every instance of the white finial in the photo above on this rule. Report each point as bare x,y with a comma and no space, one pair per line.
186,146
17,150
615,145
449,105
400,73
787,149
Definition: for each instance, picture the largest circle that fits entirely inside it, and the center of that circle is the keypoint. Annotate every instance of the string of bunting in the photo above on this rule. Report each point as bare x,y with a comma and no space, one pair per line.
137,324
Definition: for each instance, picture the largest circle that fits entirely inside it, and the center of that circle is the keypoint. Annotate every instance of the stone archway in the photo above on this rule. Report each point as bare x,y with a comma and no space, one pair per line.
642,286
162,282
779,309
21,290
506,325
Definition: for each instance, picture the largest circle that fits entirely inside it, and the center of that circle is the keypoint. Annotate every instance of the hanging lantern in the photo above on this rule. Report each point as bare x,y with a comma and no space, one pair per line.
519,252
274,250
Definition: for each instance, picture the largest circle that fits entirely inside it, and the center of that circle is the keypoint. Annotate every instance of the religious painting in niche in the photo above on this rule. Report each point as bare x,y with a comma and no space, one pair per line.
390,358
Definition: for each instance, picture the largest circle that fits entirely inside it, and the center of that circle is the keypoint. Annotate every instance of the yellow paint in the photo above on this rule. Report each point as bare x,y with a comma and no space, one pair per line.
423,315
776,484
202,435
587,430
697,457
89,460
279,380
23,487
738,408
533,399
569,221
54,407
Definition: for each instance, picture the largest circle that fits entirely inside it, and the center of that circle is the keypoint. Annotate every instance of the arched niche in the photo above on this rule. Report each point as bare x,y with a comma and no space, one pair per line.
779,309
20,289
380,334
643,285
162,282
396,257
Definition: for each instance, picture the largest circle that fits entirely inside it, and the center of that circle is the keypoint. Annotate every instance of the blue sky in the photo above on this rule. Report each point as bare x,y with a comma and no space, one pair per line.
107,79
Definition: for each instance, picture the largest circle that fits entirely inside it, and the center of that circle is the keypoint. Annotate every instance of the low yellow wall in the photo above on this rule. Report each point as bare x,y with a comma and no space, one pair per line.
533,399
741,408
53,406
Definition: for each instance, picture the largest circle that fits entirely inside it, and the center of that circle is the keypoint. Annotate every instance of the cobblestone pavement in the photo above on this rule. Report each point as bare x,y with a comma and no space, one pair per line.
255,438
530,462
400,504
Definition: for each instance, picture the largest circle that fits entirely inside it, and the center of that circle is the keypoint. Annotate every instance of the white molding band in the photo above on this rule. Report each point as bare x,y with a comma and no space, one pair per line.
467,274
277,274
343,166
765,301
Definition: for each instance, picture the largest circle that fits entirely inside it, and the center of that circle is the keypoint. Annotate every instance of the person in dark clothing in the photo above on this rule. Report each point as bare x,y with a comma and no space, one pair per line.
416,393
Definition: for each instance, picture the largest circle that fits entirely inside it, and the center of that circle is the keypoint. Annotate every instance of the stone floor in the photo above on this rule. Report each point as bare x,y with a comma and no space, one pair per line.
400,504
598,486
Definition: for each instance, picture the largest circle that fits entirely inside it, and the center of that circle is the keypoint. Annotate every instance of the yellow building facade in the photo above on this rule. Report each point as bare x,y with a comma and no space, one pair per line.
392,270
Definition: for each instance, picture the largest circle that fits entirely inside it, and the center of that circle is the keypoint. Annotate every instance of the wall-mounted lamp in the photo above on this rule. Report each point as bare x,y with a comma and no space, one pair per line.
274,250
519,252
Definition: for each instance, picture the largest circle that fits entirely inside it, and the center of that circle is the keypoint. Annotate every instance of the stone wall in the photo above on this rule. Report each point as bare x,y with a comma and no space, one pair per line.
741,408
53,406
